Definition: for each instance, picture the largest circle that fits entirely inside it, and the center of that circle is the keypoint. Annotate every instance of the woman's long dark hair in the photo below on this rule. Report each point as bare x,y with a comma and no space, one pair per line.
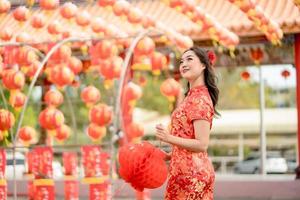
209,75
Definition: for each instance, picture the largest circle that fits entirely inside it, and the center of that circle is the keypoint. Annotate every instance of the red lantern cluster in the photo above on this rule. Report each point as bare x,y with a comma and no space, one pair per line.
100,114
13,79
142,165
51,118
266,25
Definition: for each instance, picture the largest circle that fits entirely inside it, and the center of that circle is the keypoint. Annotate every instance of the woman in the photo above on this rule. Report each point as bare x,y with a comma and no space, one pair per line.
191,173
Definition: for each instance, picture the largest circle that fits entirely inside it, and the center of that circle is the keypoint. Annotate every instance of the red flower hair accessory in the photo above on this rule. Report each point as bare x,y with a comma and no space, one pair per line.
212,57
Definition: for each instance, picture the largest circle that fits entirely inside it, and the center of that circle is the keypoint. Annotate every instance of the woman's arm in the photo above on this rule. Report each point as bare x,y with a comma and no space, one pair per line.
199,144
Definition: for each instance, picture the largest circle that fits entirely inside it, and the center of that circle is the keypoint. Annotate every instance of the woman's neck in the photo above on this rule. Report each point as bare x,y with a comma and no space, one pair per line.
197,82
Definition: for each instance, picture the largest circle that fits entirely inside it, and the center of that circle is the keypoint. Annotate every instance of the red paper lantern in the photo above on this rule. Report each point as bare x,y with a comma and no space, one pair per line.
51,118
61,75
54,28
99,25
13,79
142,165
49,4
145,47
121,7
17,99
25,57
53,98
62,54
32,69
4,6
111,68
21,14
7,120
100,114
245,75
83,18
27,135
6,34
104,3
75,65
134,130
90,95
158,62
38,21
23,37
96,132
132,91
62,133
285,74
170,88
68,10
104,50
135,15
256,55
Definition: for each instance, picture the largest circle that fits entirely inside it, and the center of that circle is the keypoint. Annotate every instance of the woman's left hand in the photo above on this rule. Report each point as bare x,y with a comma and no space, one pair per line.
162,133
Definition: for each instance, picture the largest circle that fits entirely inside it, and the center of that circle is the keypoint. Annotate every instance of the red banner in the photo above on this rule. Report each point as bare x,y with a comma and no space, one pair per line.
100,191
3,189
71,190
44,161
31,190
70,163
2,163
91,160
44,189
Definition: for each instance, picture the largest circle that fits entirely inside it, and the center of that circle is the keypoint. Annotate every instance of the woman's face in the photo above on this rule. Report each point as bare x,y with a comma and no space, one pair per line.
190,66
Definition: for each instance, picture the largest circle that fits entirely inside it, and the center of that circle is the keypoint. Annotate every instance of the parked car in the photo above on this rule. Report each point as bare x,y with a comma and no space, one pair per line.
251,165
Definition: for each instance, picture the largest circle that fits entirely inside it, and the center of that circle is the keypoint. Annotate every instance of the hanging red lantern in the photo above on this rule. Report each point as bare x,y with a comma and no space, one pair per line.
256,55
62,133
38,21
4,6
49,4
51,118
62,54
135,15
17,99
170,88
25,57
23,37
285,73
100,114
53,98
105,49
13,79
54,28
32,69
132,92
112,70
27,135
104,3
245,75
7,120
145,47
95,132
68,10
158,62
121,7
99,25
142,165
134,130
75,65
61,75
83,18
90,95
6,34
21,14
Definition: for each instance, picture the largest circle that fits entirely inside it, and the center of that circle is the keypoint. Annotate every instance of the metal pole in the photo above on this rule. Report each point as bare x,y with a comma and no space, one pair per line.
262,124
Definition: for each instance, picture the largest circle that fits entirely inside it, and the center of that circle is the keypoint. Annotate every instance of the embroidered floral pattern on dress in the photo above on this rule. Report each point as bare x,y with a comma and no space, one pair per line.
191,175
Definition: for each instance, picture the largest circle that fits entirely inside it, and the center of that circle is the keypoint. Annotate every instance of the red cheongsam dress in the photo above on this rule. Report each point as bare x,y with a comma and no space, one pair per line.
191,175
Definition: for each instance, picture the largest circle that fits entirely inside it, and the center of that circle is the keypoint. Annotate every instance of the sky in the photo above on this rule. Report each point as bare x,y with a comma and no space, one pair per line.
272,75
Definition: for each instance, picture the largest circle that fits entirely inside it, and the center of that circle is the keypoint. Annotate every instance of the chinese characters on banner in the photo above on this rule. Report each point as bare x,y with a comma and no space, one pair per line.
71,186
3,187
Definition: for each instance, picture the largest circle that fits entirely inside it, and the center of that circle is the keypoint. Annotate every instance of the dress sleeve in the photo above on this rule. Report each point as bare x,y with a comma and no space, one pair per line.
200,108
